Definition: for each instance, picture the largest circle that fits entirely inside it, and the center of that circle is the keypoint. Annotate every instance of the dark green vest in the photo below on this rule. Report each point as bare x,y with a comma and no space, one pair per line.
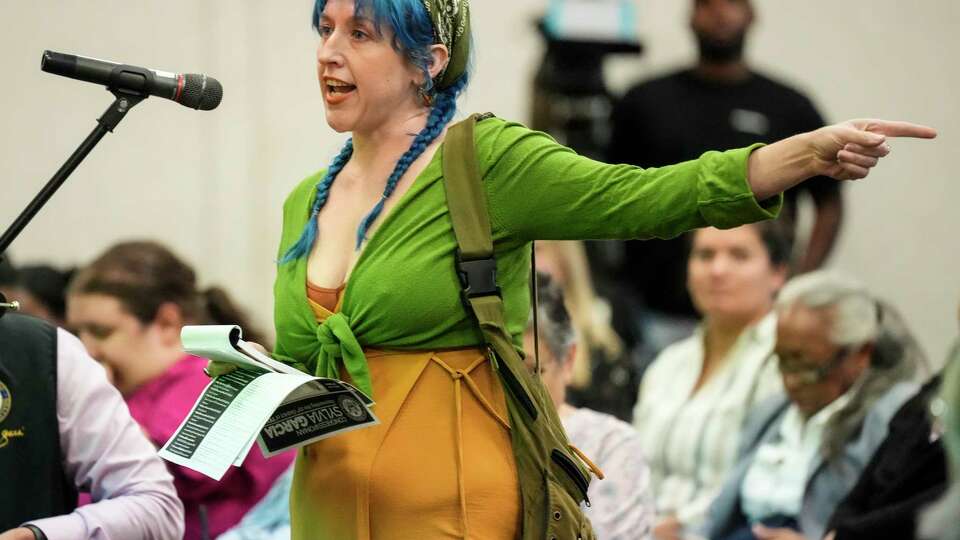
33,484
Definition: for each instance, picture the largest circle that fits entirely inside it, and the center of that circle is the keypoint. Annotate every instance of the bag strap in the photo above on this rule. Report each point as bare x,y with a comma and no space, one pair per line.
475,262
465,197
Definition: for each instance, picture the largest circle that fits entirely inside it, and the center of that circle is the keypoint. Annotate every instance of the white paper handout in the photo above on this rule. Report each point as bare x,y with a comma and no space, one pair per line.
264,400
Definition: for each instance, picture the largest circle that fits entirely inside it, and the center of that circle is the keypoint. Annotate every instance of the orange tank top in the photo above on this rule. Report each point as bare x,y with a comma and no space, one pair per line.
328,298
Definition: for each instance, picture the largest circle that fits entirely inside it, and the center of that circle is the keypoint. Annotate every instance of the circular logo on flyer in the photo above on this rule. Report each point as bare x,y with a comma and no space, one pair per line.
6,401
353,408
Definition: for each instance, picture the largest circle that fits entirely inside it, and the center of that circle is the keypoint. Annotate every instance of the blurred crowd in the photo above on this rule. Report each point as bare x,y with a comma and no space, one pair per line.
728,384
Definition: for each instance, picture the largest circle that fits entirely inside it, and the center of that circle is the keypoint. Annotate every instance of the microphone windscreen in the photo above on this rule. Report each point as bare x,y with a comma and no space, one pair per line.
201,92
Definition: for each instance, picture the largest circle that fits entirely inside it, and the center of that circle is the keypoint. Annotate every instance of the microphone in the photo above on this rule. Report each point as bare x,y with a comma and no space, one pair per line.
190,90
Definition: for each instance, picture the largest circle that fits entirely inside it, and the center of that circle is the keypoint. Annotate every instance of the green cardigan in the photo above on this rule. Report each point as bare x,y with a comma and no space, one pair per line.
404,293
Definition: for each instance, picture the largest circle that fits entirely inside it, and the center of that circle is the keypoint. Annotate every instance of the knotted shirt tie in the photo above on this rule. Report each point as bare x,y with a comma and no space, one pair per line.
339,346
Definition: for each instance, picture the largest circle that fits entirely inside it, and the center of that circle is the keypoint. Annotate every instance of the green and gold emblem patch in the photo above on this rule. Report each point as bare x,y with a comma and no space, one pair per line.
6,401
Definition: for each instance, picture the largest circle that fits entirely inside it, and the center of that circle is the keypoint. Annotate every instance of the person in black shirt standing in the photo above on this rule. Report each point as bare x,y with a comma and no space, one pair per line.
719,103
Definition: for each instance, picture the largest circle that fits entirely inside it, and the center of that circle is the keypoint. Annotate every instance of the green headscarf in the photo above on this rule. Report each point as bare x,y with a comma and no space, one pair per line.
451,27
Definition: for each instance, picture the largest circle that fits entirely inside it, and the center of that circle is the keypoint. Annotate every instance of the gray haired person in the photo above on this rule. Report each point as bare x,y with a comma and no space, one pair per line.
848,363
621,505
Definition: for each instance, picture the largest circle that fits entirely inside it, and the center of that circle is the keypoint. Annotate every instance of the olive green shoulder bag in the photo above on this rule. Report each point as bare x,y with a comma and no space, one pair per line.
553,479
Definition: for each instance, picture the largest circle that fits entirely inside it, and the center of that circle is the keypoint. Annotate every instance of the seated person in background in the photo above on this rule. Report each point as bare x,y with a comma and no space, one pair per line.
845,375
270,518
64,428
694,397
907,472
128,307
8,276
41,291
940,521
604,376
621,507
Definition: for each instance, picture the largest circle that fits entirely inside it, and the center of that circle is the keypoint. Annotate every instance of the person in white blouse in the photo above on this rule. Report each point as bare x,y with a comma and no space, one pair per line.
848,364
694,397
621,506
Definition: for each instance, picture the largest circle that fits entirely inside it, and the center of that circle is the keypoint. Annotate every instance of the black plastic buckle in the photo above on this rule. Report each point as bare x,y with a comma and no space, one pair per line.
478,277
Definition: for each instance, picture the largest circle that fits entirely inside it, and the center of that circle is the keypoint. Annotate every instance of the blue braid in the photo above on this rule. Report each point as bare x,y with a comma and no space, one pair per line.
309,234
445,105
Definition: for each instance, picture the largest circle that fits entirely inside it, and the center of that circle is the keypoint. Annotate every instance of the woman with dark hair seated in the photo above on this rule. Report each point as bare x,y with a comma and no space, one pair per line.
42,292
128,307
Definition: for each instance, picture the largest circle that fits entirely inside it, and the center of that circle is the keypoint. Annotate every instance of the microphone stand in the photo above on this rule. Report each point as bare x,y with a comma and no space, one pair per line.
123,102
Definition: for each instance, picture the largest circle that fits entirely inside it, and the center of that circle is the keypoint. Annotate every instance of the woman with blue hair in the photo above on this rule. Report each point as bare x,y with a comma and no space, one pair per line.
366,288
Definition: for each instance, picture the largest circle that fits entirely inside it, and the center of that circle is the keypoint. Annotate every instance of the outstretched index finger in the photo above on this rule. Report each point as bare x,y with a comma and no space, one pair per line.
899,129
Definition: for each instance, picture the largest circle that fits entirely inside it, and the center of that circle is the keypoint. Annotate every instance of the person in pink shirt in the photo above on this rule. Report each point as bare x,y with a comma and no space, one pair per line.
128,307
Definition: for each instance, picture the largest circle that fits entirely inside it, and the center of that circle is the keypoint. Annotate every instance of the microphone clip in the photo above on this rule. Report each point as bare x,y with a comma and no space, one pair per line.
125,100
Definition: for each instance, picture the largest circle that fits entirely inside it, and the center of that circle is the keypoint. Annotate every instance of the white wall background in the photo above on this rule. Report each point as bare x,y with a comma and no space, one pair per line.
211,184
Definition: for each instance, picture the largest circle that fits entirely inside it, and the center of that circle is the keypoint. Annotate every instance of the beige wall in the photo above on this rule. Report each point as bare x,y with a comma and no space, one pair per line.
211,183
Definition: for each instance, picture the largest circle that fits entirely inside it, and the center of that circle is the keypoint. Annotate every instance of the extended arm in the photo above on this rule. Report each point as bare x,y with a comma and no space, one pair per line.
539,189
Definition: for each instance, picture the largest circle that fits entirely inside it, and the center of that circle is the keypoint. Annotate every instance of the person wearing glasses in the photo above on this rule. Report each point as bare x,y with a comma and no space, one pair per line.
848,364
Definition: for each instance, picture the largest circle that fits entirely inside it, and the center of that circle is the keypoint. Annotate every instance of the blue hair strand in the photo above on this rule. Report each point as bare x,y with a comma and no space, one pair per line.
309,235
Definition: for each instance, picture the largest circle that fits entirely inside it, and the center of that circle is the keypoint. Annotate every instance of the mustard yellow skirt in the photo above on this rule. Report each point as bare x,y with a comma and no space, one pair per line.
439,465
